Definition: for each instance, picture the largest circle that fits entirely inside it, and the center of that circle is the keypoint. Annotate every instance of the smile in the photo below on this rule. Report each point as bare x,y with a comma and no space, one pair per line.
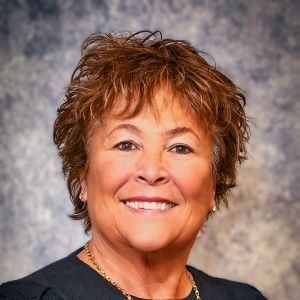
149,205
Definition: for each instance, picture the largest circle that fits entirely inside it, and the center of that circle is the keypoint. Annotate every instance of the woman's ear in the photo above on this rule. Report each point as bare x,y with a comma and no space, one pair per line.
83,192
213,200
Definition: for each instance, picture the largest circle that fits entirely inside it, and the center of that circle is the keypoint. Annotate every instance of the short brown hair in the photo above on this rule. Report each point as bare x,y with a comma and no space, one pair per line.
133,66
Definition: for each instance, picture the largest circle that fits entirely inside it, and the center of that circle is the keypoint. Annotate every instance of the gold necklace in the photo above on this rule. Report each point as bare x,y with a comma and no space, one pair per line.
128,297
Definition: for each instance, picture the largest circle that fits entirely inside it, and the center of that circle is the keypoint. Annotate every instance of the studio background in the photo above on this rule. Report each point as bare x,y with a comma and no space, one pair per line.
254,42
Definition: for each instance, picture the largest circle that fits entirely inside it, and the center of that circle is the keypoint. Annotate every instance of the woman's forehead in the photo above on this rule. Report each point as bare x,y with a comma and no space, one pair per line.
160,120
161,113
161,99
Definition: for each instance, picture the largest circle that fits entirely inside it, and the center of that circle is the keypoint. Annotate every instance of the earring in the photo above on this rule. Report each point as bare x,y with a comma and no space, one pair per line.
80,196
214,208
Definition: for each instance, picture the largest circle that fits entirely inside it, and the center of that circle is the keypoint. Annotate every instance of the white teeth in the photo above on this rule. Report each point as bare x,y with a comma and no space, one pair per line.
153,205
149,205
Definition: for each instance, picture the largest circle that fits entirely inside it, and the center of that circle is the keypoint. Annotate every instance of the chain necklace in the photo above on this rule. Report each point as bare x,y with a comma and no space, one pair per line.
128,297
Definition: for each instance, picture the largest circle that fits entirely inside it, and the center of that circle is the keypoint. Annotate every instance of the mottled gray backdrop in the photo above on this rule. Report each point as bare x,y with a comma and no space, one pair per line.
255,42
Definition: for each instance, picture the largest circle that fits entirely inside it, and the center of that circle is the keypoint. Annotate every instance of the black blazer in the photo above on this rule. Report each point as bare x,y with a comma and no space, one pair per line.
71,279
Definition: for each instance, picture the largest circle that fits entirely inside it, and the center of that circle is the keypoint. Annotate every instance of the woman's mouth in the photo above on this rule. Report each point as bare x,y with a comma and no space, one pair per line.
149,203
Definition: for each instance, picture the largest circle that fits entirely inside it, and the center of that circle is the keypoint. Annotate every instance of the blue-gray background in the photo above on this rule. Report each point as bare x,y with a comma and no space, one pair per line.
255,42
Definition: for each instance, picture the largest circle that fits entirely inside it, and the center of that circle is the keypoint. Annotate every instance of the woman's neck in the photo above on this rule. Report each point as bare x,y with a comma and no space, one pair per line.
155,275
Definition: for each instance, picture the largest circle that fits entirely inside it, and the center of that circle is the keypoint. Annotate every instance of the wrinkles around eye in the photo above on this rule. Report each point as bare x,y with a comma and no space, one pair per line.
126,146
186,148
130,146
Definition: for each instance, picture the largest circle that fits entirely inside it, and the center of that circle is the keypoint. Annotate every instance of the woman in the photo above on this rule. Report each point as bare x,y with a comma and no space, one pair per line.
150,136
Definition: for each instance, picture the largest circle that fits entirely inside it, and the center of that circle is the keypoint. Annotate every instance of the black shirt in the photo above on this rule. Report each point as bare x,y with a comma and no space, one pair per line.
72,279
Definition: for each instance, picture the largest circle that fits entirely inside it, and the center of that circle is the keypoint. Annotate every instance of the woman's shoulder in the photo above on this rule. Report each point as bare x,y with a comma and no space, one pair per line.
45,283
219,288
67,278
25,289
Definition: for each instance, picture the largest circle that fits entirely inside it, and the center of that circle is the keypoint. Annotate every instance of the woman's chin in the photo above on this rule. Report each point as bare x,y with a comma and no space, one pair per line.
148,243
148,246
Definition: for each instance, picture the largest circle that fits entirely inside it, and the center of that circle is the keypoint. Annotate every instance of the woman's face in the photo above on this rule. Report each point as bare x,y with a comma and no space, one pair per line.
149,184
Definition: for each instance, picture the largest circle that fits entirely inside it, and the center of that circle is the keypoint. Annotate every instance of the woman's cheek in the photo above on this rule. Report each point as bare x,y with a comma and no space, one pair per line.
117,169
194,179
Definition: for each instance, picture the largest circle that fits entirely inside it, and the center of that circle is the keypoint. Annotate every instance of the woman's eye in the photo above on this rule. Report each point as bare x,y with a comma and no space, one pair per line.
125,146
181,149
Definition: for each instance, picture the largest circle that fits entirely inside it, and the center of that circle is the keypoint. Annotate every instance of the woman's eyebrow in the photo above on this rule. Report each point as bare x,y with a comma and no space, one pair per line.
169,132
180,130
128,127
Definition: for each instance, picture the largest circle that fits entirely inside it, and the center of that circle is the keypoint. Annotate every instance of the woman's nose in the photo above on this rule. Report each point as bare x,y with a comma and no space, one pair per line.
151,170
